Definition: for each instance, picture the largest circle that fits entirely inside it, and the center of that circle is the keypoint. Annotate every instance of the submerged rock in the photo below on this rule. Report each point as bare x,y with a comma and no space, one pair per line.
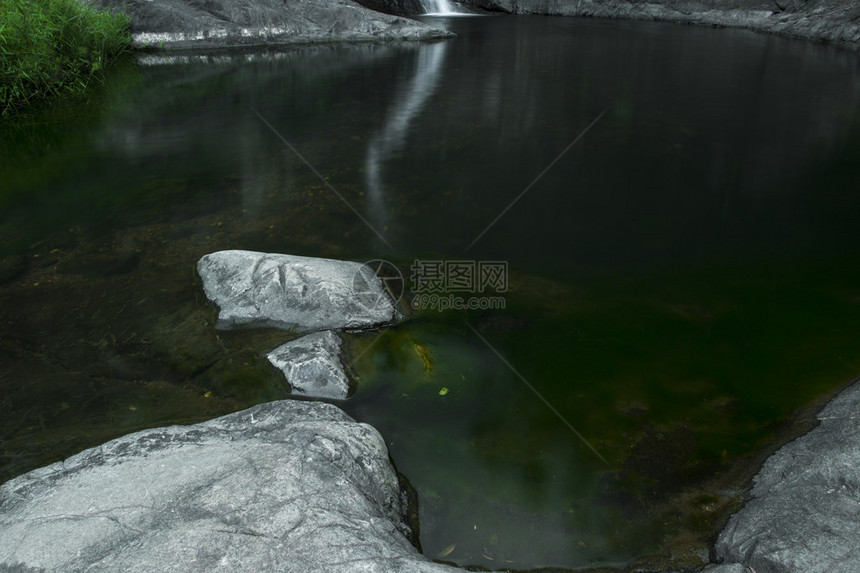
312,365
12,267
178,24
284,486
804,511
302,294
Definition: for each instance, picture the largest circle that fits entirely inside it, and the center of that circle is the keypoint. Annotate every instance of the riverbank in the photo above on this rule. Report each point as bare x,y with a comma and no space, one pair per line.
176,24
801,513
834,21
53,47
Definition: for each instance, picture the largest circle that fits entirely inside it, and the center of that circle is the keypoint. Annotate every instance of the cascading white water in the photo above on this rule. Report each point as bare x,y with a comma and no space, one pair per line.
437,7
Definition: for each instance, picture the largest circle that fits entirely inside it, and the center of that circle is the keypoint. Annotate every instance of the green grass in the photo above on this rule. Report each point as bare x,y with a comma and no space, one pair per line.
50,47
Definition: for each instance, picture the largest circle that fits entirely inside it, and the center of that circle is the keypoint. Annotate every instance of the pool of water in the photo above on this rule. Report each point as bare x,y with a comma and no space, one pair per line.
676,208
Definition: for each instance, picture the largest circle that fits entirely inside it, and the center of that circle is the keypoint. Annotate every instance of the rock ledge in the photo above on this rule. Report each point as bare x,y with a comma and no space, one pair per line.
183,24
804,511
284,486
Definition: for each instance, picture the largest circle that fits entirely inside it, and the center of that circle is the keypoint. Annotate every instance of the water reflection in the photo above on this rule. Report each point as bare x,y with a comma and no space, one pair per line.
704,133
409,99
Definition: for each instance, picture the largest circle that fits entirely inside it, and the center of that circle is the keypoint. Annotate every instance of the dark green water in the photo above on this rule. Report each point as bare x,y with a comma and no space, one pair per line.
681,280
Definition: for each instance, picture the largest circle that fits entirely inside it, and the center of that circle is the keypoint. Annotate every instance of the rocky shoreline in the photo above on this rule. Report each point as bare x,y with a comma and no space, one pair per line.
834,21
802,511
283,486
184,24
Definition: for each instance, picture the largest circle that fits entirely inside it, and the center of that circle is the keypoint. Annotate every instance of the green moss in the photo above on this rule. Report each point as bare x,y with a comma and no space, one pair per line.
50,47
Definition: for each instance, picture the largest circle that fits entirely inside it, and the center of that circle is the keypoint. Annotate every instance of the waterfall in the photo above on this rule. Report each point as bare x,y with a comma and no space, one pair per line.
437,7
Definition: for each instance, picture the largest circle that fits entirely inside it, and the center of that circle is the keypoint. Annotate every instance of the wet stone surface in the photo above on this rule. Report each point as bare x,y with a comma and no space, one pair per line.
284,486
805,501
175,24
300,294
313,366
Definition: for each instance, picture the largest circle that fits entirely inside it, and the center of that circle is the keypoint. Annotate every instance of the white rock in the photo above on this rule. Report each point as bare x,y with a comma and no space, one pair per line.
312,365
286,486
301,294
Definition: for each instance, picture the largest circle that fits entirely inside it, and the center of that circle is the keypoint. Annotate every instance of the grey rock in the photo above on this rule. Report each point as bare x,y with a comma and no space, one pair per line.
804,511
302,294
836,21
399,7
726,568
286,486
181,24
509,6
312,365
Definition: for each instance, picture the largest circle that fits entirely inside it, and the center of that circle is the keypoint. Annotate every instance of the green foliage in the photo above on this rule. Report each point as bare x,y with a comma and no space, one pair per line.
48,47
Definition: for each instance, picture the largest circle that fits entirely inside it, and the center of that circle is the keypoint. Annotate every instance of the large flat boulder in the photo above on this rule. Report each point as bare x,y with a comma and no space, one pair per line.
804,511
182,24
312,365
286,486
301,294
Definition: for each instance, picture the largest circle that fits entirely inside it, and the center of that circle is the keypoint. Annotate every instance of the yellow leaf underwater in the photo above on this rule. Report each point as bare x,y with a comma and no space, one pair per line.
424,355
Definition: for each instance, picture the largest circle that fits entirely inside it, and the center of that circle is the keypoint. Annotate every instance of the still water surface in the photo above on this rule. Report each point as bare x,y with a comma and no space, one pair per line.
681,279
